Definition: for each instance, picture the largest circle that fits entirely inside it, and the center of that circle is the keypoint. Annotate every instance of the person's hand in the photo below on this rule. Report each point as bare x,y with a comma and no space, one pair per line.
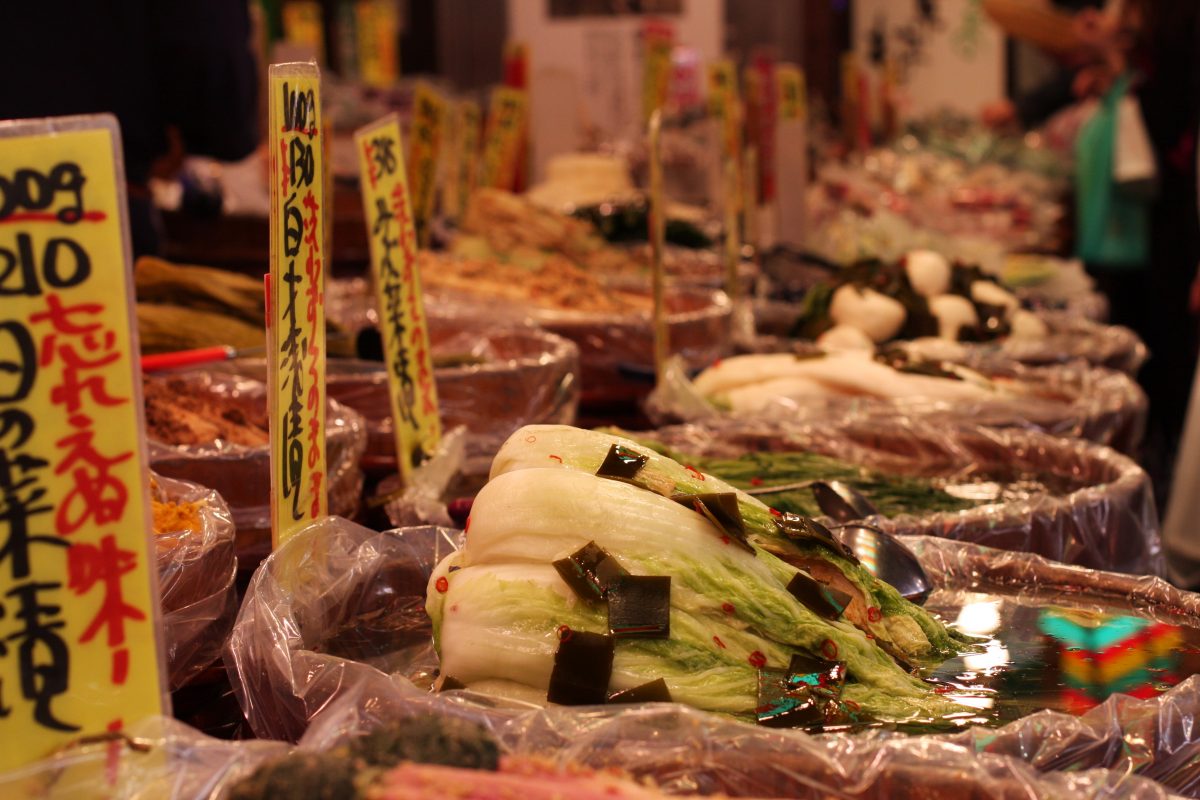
999,114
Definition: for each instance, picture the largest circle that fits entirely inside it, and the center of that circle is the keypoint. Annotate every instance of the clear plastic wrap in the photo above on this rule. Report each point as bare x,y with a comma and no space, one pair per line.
157,758
242,475
1071,399
1107,520
332,640
196,571
505,377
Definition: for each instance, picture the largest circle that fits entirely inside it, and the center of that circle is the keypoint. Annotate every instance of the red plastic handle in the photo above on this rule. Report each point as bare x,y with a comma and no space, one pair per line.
183,358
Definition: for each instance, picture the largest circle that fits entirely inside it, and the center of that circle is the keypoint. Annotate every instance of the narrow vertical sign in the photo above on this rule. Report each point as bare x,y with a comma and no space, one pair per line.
723,101
78,605
792,93
503,137
407,354
468,156
296,338
658,38
658,227
424,150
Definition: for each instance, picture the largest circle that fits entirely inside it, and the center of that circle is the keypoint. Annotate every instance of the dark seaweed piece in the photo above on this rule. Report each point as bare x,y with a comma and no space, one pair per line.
302,776
819,598
427,739
794,526
582,668
621,463
590,572
897,655
655,691
823,676
639,607
721,509
993,321
779,706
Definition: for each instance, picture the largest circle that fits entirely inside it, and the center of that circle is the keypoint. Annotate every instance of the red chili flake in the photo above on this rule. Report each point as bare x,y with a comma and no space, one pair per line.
943,689
775,512
442,584
565,633
870,635
467,526
557,458
719,643
874,614
724,539
756,481
757,660
699,475
850,704
829,649
530,439
454,608
728,608
717,363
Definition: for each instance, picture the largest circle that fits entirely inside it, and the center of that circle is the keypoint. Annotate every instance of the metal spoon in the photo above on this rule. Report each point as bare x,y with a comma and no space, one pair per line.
886,558
841,502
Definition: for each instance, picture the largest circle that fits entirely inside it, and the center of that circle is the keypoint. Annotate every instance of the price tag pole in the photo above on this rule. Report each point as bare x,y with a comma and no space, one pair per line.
77,559
732,250
397,279
658,227
468,155
504,135
296,325
424,151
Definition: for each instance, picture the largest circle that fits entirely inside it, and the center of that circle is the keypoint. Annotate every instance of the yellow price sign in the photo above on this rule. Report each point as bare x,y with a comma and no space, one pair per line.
723,104
303,24
296,295
469,121
658,39
377,35
78,606
407,354
503,138
792,92
424,149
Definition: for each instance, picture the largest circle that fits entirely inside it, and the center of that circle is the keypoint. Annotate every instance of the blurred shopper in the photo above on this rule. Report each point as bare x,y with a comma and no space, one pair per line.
178,74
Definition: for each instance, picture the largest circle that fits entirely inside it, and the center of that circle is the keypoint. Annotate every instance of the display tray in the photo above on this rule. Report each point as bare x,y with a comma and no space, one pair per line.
491,380
241,474
347,633
1065,499
1073,399
615,351
1071,337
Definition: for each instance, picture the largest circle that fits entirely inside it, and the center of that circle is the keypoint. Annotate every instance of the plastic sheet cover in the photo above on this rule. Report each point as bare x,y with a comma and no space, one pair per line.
242,475
332,640
196,571
156,758
1103,517
1072,400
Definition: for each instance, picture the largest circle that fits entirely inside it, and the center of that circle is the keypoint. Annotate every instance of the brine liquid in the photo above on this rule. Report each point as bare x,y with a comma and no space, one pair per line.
1049,657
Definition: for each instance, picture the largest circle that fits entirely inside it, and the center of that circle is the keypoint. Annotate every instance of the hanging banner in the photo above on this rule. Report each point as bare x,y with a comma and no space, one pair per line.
78,595
424,150
658,40
409,359
296,300
504,137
